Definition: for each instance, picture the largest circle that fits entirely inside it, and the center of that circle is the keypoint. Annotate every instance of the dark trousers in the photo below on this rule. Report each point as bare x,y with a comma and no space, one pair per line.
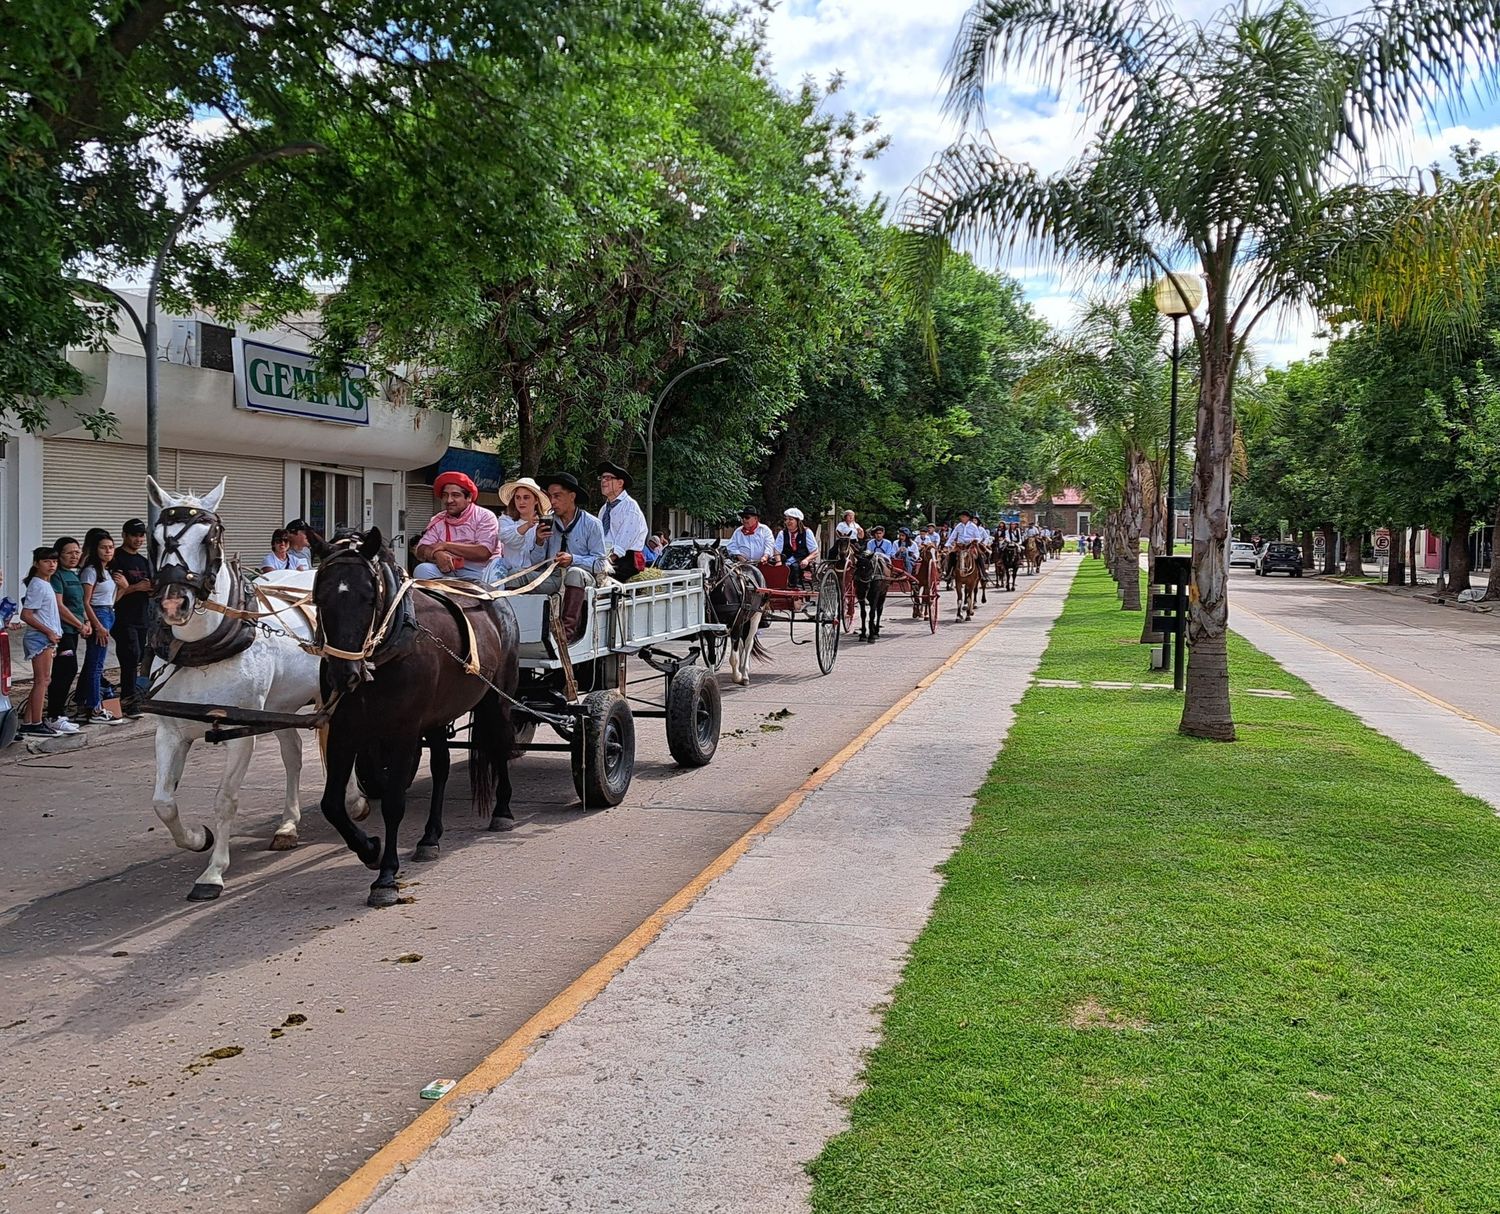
64,669
130,647
623,566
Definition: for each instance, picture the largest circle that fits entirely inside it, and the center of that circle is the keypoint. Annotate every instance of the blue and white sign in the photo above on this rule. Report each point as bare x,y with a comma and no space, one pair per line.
269,379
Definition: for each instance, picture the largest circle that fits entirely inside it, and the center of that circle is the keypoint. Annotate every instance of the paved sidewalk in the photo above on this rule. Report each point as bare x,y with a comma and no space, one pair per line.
719,1061
1457,743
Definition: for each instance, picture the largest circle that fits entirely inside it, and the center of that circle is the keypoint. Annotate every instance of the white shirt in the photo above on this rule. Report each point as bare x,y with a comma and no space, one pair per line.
39,597
759,545
965,532
849,529
100,592
624,525
514,542
299,558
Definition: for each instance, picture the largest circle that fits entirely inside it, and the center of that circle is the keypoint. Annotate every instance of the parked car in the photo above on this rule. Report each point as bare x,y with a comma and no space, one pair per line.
1279,558
1241,552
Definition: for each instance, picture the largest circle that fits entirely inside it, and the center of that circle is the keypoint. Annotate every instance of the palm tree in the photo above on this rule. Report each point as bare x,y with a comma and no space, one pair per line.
1110,373
1215,144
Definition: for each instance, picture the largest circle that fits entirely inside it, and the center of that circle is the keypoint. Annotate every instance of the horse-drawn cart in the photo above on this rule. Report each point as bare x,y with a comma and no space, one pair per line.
923,584
590,695
820,605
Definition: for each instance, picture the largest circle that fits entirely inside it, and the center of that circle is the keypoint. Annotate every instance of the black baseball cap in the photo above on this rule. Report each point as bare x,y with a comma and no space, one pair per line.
133,526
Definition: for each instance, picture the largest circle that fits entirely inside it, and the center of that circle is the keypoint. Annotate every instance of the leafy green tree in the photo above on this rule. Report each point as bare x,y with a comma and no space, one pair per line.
1211,145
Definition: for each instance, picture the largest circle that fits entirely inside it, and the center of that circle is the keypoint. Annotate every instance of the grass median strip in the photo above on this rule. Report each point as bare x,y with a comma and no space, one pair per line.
1169,975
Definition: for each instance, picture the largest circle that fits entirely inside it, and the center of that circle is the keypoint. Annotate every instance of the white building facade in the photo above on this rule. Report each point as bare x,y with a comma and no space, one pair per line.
232,402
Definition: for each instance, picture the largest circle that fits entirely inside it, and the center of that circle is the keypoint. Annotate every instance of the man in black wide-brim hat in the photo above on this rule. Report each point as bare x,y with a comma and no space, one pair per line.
624,525
571,536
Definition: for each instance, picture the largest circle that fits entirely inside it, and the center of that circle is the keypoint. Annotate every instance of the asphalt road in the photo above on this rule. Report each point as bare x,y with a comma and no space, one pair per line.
115,993
1451,654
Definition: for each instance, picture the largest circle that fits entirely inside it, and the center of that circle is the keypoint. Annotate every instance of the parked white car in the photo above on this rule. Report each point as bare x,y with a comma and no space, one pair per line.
1241,553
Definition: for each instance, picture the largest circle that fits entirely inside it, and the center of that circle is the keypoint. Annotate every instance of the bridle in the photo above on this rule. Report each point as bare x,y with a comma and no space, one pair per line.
171,567
392,588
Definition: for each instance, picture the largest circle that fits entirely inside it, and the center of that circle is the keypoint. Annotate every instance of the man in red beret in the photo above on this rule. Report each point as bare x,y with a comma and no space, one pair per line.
462,537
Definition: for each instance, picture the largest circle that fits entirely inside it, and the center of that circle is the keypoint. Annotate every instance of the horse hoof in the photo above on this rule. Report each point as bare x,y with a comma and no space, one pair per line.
362,810
208,841
501,822
382,895
283,840
204,893
425,853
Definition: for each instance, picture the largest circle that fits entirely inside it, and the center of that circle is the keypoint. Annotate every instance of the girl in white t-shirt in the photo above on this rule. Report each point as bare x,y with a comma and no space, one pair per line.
99,602
43,622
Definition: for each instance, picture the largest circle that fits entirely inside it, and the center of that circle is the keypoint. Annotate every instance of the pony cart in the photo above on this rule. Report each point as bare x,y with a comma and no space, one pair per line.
819,607
924,584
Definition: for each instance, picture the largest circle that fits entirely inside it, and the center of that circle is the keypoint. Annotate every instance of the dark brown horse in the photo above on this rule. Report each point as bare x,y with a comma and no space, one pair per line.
400,664
1007,563
966,578
872,582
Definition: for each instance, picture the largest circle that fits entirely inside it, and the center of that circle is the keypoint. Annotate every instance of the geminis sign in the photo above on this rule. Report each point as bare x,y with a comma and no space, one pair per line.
269,379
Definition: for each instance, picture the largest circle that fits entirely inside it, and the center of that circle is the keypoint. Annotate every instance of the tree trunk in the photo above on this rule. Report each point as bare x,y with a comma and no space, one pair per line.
1395,569
1411,556
1205,708
1330,550
1354,557
525,427
1458,550
1492,583
1308,561
1130,533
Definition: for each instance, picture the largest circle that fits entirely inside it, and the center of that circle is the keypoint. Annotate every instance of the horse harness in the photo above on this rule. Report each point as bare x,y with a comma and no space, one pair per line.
236,632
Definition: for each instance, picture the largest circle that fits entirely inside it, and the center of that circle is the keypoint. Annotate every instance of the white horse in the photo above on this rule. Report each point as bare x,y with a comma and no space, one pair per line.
224,660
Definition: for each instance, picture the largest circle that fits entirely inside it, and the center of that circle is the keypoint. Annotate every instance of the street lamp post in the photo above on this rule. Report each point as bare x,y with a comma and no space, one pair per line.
149,335
1176,296
651,435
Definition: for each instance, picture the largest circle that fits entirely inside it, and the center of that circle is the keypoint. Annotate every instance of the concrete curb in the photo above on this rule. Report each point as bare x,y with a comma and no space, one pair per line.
719,1060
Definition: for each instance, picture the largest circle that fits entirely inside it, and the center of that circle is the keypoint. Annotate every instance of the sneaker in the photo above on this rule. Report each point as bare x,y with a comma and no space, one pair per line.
63,725
102,716
131,712
41,730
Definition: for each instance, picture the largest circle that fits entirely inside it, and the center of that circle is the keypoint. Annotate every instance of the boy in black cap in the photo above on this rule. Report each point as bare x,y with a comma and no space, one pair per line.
134,582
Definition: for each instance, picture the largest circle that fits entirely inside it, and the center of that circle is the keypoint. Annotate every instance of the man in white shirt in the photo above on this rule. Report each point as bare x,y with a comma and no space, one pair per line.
967,531
752,540
848,528
623,523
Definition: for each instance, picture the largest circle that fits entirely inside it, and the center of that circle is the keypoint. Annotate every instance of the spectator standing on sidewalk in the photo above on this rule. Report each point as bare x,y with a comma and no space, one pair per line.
99,587
134,581
75,630
43,632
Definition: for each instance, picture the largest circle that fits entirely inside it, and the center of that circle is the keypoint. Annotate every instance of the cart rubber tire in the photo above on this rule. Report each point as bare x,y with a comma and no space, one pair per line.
695,711
603,750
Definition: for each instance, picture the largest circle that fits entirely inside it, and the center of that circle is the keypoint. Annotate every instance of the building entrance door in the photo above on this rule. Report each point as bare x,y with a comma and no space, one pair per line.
332,500
385,507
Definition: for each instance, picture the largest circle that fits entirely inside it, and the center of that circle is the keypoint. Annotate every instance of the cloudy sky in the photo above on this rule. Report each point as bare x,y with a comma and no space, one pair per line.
891,53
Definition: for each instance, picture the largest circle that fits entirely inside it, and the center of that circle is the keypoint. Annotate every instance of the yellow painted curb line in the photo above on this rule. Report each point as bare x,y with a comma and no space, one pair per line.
412,1142
1363,665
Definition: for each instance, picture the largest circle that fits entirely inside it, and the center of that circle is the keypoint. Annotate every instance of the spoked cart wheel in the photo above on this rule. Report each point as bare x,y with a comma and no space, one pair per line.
932,605
851,597
830,608
603,750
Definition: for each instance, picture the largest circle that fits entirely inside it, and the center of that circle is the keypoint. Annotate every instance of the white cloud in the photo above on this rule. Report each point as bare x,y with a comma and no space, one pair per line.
892,53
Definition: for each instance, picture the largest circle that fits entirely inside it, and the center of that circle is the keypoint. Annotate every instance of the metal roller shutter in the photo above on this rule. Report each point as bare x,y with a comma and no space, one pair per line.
92,484
253,504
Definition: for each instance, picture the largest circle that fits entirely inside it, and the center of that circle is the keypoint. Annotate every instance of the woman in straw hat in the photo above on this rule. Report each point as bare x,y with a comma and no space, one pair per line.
522,499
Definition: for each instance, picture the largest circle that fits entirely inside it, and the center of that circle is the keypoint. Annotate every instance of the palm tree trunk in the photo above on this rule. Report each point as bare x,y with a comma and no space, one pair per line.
1205,708
1130,533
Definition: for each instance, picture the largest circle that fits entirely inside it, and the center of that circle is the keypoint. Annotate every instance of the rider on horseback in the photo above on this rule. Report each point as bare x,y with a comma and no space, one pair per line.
966,532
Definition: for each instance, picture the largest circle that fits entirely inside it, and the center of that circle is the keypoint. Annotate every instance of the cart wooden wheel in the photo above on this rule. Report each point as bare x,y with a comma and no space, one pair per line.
932,607
826,626
851,598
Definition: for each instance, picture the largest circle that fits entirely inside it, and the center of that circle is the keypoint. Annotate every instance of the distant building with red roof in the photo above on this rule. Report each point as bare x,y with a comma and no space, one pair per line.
1067,510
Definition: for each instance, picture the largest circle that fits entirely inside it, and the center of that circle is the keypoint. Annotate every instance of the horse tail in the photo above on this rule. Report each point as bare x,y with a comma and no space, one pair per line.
489,748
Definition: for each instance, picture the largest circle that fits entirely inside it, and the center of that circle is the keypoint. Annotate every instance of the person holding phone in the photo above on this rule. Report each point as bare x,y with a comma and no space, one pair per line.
574,538
462,538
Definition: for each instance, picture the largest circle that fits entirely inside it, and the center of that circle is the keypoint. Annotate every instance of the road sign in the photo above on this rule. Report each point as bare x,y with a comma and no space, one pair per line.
1382,541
